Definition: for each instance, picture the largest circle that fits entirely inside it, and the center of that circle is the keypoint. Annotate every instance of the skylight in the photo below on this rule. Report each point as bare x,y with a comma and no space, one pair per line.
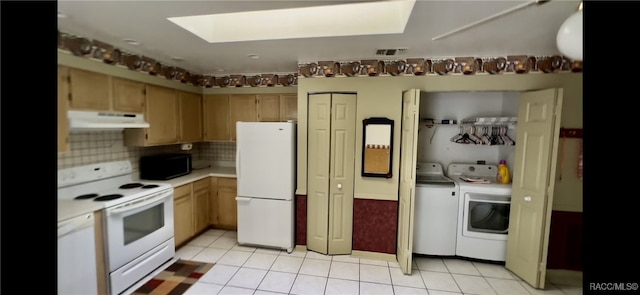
371,18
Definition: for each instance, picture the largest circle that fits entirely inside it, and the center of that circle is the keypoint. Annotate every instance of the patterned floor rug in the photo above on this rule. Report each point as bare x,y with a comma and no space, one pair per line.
175,279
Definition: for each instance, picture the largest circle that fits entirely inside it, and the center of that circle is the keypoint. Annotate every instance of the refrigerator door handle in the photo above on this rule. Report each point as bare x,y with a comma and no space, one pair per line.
238,162
243,199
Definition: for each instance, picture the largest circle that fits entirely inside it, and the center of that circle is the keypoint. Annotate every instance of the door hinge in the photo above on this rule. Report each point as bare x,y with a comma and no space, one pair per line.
146,136
68,79
69,97
144,91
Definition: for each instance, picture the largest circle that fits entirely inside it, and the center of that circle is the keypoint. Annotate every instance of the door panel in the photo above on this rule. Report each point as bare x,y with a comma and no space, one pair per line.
532,188
408,154
318,172
342,168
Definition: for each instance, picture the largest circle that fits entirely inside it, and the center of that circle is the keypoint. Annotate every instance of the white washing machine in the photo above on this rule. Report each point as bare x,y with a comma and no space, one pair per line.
483,212
436,211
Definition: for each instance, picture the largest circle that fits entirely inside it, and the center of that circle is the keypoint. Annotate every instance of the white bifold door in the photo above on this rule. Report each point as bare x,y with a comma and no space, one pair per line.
330,174
407,194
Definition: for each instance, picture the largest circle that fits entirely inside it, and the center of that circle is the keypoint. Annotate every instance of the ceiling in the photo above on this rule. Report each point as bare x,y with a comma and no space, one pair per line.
530,31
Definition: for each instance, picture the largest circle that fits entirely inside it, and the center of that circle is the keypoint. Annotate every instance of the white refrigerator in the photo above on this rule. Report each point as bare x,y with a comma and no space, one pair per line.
265,169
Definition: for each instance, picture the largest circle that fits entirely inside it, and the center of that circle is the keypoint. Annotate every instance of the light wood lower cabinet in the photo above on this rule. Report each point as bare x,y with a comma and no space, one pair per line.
190,210
63,108
227,206
200,205
223,208
182,218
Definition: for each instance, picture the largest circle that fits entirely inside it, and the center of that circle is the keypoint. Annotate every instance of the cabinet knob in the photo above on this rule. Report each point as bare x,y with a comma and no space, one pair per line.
339,185
527,198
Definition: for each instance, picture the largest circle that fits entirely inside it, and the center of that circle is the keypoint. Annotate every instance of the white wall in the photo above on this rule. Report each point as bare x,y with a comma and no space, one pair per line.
434,144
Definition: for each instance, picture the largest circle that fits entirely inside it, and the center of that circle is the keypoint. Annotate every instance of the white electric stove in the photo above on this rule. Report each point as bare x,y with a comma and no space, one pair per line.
137,217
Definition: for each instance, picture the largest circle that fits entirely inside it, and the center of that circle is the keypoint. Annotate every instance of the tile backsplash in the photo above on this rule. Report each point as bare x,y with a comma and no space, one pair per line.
89,147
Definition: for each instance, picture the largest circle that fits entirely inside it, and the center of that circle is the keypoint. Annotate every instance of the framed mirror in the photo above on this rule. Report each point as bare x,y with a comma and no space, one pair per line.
377,147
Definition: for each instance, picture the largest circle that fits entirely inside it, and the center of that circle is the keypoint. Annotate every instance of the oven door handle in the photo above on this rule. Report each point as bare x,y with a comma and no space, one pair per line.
139,203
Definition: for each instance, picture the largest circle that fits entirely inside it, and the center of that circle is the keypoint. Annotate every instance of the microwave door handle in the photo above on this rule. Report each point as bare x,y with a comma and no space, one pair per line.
137,204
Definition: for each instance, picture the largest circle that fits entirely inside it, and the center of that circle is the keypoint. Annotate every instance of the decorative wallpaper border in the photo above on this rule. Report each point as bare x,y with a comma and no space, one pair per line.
518,64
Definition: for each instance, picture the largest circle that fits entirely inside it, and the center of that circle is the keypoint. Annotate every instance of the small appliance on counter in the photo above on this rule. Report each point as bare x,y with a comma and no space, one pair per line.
165,166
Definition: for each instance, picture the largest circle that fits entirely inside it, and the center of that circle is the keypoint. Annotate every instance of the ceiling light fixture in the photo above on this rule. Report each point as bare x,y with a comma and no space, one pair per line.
254,56
352,19
569,38
177,58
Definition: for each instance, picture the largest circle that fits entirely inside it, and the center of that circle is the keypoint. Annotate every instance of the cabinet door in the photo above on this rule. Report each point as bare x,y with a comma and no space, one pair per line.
288,107
213,201
182,219
63,107
227,204
216,117
128,96
201,205
241,108
268,108
190,117
162,114
89,90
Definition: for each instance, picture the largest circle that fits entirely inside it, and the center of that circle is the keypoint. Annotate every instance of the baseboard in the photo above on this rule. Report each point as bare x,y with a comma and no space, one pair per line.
564,277
301,248
373,255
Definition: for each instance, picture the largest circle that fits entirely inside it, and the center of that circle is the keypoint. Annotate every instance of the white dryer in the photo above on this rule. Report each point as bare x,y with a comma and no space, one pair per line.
483,212
436,211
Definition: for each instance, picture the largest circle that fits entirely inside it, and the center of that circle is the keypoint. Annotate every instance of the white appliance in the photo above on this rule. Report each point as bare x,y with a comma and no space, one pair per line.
483,219
138,218
99,120
265,169
436,214
77,273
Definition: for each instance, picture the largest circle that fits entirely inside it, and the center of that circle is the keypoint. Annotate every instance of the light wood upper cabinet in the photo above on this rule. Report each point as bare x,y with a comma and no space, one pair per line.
241,108
89,90
128,96
101,92
277,107
63,107
227,204
288,107
190,117
268,107
162,113
216,117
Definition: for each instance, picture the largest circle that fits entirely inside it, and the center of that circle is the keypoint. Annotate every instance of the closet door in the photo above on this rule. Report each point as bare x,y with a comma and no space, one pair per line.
533,186
330,173
408,155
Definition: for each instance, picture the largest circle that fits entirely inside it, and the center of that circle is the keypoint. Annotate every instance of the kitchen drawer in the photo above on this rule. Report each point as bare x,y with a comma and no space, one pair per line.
182,191
226,183
201,184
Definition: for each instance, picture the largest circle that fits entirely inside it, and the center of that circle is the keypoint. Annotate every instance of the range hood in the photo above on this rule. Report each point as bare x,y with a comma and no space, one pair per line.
97,120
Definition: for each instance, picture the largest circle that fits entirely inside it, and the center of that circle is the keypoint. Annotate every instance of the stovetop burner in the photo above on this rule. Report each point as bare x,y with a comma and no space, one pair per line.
108,197
131,185
150,186
86,196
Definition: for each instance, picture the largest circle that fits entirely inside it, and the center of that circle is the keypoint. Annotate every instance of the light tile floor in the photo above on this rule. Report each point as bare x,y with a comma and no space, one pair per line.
249,270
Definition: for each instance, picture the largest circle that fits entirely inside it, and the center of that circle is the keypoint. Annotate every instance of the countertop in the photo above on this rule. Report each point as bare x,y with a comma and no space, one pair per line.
68,208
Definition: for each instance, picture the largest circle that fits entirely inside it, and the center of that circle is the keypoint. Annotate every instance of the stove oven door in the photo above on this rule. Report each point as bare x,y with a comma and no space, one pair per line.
136,227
